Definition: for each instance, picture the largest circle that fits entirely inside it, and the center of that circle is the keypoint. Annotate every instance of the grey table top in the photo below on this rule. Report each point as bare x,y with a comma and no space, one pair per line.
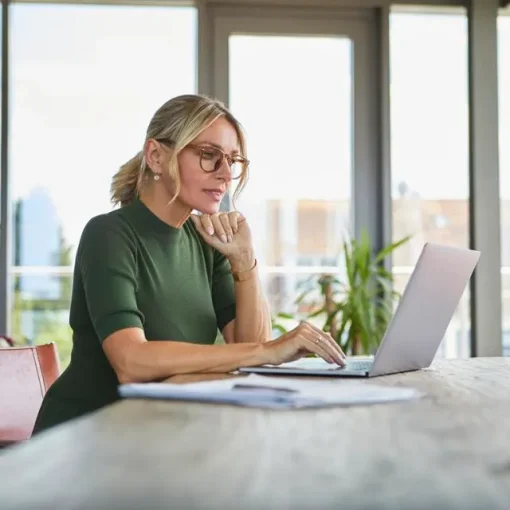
448,450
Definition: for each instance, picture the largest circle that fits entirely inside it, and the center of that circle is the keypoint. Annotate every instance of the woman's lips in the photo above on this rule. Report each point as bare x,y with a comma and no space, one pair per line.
215,195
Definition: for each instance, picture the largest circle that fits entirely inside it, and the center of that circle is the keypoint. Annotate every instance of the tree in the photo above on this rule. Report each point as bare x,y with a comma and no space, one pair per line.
49,317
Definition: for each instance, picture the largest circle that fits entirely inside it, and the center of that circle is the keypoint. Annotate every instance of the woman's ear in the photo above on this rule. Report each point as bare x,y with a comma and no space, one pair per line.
155,155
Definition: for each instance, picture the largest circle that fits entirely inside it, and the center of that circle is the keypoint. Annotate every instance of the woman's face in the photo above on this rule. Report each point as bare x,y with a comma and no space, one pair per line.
203,190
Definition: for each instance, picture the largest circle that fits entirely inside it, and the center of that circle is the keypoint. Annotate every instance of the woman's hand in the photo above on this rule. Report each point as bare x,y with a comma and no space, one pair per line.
301,341
228,233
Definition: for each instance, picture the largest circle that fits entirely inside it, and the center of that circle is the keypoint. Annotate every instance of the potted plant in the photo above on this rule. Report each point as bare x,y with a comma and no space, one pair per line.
358,308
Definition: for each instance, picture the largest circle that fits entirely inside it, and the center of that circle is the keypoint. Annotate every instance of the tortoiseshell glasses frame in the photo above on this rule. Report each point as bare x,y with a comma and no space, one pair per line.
211,159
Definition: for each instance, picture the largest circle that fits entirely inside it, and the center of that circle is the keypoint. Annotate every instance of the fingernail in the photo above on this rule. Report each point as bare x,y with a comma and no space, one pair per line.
223,238
210,231
230,238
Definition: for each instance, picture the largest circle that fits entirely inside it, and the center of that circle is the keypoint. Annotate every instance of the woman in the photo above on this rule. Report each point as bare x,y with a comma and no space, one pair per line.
150,270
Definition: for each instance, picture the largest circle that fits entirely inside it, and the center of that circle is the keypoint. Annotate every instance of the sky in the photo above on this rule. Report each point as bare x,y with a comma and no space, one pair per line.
87,79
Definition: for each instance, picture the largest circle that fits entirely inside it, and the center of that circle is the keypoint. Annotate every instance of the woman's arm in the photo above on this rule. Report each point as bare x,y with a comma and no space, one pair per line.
230,235
134,359
106,264
253,319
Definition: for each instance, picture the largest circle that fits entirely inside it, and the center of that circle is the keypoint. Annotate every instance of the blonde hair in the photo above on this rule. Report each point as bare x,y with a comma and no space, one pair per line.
178,122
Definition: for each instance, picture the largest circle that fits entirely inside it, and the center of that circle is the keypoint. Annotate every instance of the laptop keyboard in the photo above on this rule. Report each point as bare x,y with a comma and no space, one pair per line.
358,365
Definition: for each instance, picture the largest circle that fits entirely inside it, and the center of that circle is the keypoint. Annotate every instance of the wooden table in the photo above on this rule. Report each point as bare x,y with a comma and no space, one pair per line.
449,450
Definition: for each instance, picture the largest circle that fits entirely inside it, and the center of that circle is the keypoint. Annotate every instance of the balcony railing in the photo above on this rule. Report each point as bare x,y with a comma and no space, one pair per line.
455,340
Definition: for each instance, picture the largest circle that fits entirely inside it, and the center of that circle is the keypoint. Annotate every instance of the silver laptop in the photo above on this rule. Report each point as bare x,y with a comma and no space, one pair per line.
418,326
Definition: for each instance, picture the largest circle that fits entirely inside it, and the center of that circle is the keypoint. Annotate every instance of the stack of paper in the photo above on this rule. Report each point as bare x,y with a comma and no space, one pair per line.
272,392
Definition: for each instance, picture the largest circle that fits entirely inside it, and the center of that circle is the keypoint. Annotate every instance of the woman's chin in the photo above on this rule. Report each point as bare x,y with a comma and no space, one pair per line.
208,208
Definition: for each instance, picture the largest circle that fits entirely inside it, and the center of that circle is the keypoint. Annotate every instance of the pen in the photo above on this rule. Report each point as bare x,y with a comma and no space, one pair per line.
255,387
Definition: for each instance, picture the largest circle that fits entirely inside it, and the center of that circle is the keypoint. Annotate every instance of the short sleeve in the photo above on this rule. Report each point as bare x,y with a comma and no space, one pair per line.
223,291
107,265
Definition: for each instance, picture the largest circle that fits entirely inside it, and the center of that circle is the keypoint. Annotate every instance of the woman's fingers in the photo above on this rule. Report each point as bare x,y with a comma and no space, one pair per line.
235,218
222,225
207,227
299,342
207,224
316,346
211,224
324,341
227,227
219,231
199,225
329,339
339,354
338,350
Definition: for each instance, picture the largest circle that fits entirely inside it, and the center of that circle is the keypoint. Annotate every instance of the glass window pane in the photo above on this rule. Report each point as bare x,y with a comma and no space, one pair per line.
86,80
299,141
504,152
430,146
43,316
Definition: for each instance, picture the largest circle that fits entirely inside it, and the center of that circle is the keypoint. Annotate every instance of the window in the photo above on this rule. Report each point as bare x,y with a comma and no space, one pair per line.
86,80
430,140
504,137
298,198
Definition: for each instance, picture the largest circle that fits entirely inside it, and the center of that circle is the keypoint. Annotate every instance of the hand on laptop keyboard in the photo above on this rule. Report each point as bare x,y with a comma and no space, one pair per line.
301,341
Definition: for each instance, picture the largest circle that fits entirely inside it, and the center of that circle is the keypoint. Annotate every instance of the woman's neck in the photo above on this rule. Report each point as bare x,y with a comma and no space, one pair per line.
156,199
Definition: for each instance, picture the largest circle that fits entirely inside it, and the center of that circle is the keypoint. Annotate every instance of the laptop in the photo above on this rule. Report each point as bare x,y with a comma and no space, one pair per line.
417,327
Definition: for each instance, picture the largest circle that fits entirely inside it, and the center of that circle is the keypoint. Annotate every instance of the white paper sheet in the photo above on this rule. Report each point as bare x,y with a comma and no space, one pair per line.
272,392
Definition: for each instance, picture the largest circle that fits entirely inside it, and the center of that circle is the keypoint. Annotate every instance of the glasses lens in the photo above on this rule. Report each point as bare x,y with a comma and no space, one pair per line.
237,169
210,160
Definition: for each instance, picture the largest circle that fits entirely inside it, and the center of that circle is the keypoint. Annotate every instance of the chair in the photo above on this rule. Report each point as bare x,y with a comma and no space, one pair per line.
26,373
6,341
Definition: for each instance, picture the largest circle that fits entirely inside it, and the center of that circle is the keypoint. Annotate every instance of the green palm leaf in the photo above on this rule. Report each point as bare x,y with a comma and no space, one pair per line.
363,301
389,249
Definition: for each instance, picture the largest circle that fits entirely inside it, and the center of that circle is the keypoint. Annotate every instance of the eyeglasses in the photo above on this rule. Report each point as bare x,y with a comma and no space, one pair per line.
211,159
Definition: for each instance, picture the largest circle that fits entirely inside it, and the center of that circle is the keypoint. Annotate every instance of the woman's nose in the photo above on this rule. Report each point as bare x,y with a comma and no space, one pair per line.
224,171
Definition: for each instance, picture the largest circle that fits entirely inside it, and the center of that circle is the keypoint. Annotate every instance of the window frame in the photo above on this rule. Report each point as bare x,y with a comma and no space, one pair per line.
484,161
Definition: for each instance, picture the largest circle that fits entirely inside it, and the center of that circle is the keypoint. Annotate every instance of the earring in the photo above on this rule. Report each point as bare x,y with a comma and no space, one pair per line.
156,177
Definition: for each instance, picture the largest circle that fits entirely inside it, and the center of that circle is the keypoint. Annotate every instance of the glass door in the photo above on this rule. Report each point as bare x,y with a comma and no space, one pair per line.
300,88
